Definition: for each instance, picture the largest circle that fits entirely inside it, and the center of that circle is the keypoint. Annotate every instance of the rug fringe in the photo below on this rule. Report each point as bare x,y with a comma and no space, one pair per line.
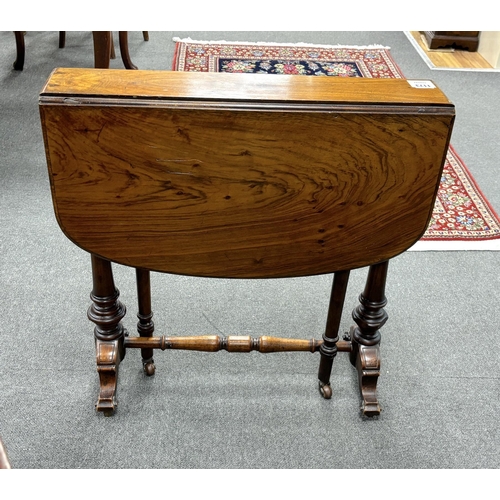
299,44
492,245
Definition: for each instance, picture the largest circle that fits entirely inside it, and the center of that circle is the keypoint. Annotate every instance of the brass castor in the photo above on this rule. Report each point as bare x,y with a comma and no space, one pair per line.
149,368
325,390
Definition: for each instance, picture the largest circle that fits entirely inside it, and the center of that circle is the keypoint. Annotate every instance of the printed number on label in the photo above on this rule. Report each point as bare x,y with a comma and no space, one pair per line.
422,84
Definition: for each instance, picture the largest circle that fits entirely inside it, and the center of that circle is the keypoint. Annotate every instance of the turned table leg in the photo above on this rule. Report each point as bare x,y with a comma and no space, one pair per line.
369,316
328,349
106,312
145,326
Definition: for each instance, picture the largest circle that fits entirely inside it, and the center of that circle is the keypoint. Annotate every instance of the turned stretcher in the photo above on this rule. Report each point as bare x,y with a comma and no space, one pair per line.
242,176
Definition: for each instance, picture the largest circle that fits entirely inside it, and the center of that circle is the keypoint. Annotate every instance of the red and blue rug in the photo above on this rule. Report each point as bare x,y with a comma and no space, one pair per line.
462,218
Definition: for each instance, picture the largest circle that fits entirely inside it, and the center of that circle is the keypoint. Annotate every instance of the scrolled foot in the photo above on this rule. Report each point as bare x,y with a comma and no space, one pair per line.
325,390
368,367
108,359
106,401
370,409
106,407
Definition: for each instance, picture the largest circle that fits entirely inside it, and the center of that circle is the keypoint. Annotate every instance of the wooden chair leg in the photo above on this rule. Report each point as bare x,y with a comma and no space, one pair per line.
20,50
145,326
106,312
328,349
102,48
123,38
369,316
62,39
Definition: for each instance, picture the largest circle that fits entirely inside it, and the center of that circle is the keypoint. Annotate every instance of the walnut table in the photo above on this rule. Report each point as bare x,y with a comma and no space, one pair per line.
242,176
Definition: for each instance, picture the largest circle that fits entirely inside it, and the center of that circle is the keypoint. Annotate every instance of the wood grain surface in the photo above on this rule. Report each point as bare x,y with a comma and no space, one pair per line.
211,180
161,85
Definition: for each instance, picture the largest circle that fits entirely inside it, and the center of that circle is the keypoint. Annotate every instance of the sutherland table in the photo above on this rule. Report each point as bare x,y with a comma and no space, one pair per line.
242,176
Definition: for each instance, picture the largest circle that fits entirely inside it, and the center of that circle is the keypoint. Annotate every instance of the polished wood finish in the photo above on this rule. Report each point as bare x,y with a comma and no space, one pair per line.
106,312
329,347
231,343
242,176
145,326
103,43
274,201
238,90
370,316
465,40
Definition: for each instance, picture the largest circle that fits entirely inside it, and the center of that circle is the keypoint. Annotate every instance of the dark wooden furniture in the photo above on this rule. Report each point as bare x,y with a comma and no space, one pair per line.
103,48
242,176
466,40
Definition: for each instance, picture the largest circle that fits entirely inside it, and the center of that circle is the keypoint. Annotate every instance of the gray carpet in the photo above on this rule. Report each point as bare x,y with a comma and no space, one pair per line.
440,374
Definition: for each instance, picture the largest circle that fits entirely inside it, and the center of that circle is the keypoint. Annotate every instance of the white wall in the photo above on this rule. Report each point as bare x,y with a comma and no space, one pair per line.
489,47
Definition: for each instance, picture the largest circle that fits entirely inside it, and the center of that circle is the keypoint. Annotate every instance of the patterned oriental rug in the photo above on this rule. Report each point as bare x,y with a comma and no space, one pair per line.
462,218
